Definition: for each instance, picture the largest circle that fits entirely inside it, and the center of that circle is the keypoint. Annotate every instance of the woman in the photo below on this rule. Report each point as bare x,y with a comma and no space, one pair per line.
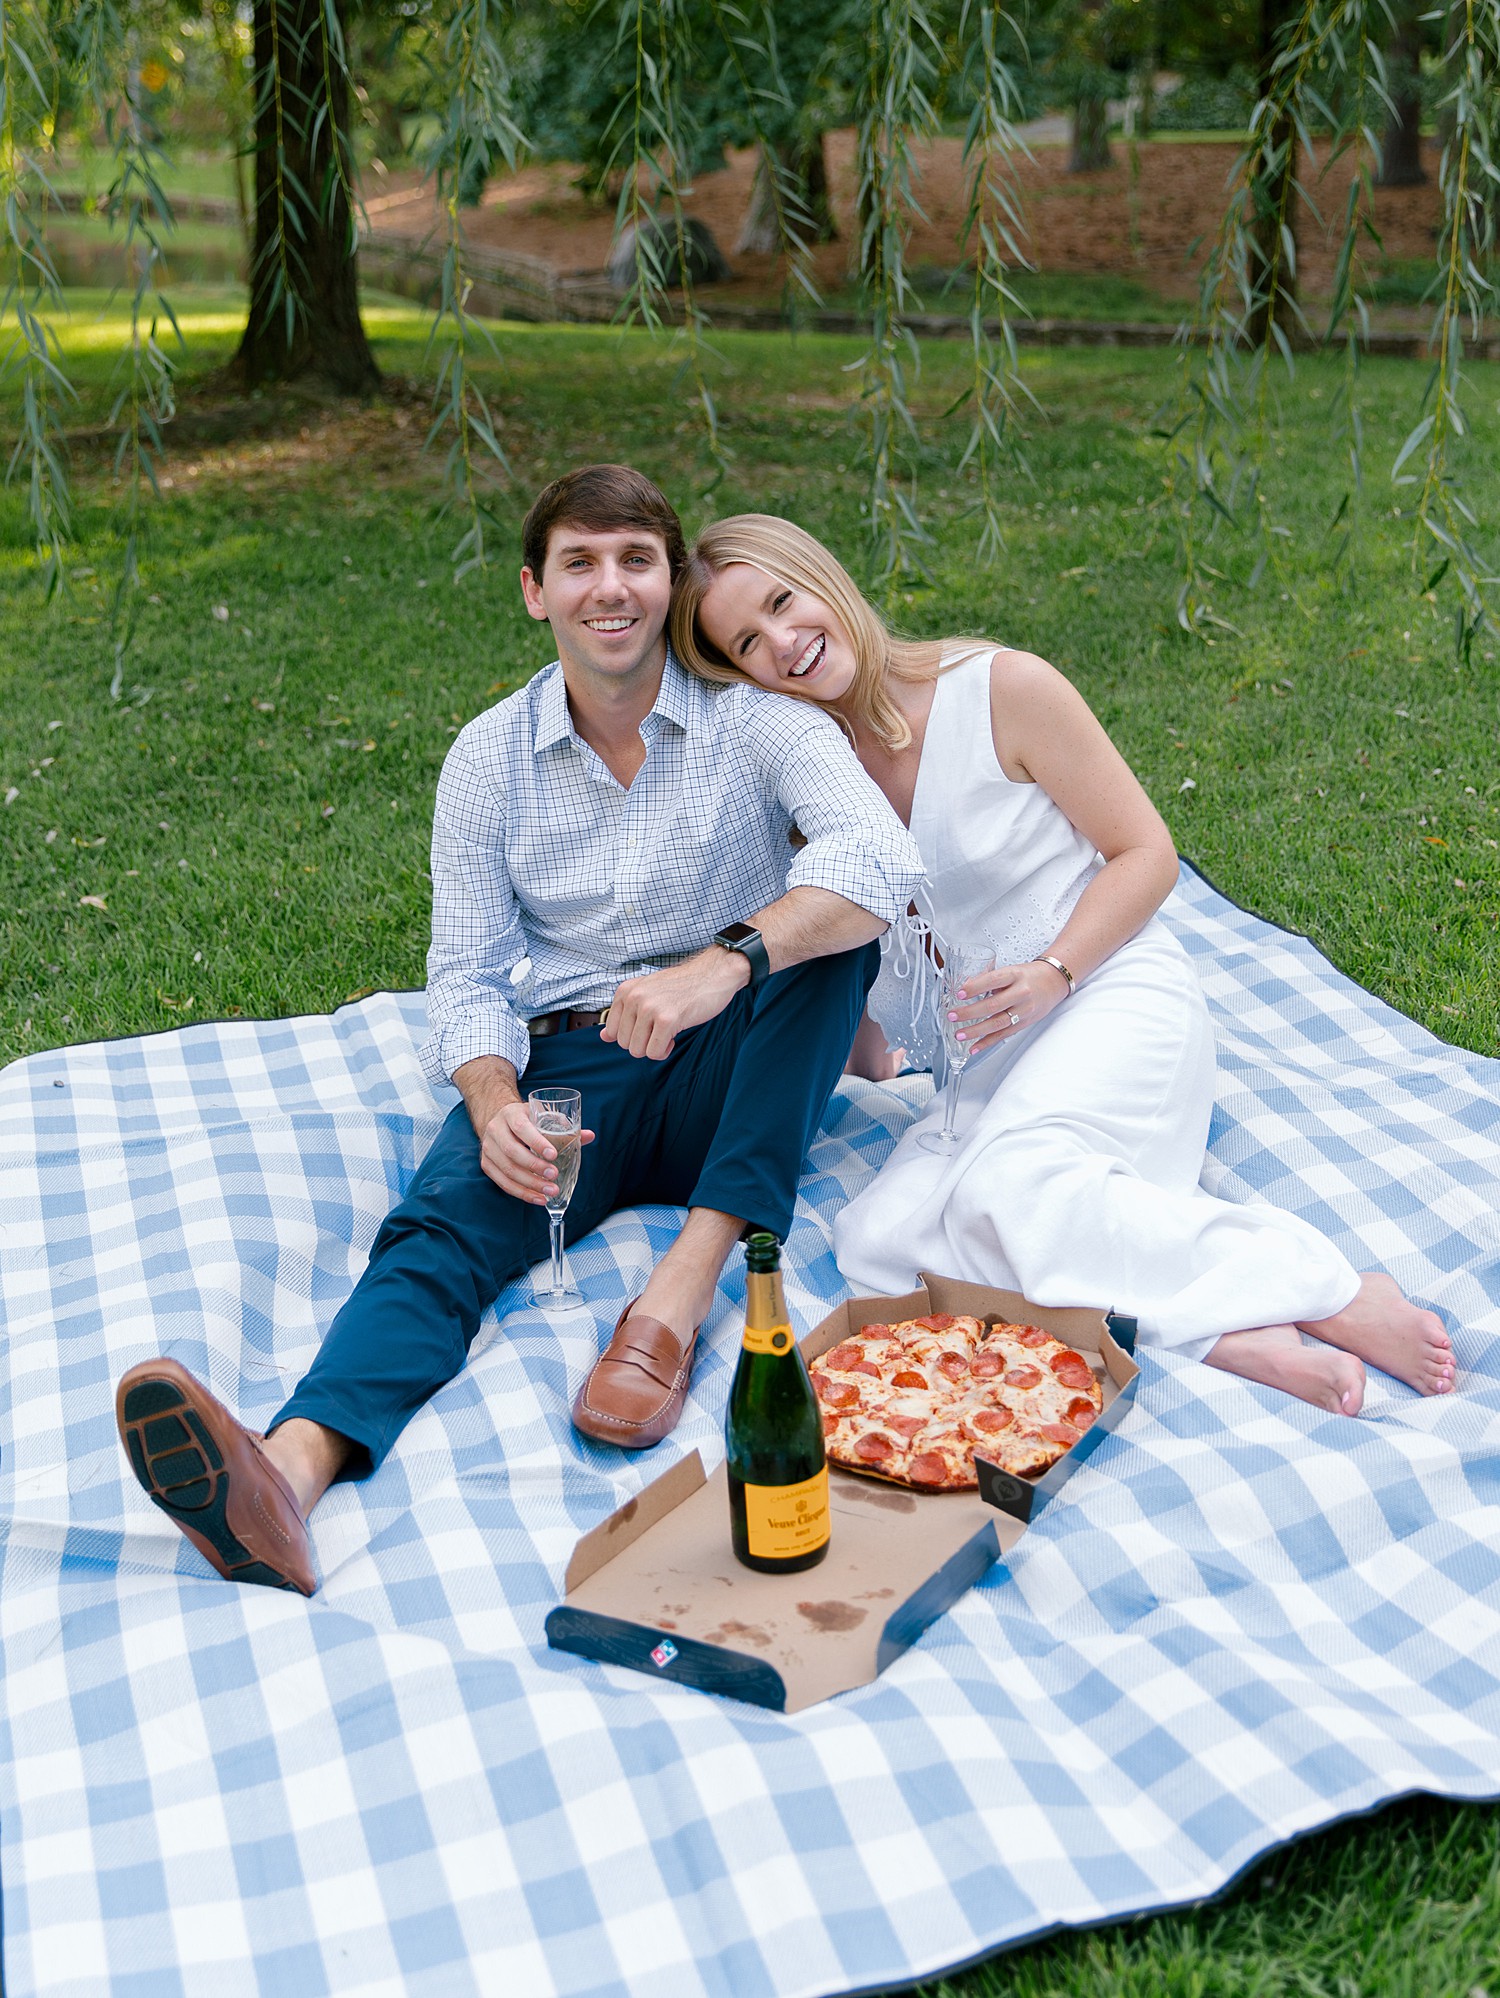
1082,1134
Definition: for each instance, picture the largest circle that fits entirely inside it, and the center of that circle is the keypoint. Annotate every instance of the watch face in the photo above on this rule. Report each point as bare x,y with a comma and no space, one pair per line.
737,933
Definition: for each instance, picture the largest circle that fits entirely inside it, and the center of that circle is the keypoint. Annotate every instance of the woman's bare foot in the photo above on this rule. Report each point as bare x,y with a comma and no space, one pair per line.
1275,1356
1385,1329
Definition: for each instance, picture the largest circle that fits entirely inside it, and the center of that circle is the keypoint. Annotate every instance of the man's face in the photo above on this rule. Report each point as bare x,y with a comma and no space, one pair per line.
605,594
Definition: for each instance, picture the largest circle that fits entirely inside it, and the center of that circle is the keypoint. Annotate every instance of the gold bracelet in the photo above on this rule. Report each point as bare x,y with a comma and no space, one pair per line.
1057,965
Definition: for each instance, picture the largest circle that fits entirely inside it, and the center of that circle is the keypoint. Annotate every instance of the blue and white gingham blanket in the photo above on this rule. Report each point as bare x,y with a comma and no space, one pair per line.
1242,1619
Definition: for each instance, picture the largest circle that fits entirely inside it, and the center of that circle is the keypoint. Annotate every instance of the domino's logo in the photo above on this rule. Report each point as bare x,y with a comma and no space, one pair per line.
664,1653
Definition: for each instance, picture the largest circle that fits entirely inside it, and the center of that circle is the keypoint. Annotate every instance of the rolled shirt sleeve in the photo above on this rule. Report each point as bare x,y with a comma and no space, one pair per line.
856,846
477,938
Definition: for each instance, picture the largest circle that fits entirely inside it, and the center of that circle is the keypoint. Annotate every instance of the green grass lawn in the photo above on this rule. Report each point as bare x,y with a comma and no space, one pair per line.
1048,295
253,814
90,172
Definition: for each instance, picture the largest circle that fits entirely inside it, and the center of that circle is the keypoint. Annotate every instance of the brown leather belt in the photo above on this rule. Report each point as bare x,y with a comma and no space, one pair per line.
563,1021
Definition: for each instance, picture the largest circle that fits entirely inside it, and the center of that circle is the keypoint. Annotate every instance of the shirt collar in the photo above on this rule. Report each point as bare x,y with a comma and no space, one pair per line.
678,701
553,722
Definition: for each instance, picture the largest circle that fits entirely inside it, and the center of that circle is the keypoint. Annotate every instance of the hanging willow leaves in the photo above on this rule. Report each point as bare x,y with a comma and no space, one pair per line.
29,61
478,129
891,63
652,151
146,398
1327,68
1470,180
750,41
902,54
993,228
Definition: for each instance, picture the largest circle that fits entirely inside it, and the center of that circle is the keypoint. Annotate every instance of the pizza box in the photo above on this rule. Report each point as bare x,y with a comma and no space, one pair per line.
656,1587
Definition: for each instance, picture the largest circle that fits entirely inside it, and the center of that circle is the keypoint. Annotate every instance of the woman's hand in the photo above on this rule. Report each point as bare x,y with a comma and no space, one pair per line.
1006,1001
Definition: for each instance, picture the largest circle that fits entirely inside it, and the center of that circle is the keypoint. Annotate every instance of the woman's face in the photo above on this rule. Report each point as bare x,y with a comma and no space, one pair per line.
781,638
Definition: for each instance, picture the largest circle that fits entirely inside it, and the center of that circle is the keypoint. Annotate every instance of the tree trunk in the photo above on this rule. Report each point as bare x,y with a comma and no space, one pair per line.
1275,196
1401,142
304,239
803,160
1090,135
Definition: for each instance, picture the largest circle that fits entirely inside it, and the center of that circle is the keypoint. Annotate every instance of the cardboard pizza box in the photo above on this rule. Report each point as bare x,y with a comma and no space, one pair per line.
656,1586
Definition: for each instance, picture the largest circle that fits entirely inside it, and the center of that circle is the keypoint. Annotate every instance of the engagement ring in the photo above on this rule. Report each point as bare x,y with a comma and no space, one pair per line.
1015,1019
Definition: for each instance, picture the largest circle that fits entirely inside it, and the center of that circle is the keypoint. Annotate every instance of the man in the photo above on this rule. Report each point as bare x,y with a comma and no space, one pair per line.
619,907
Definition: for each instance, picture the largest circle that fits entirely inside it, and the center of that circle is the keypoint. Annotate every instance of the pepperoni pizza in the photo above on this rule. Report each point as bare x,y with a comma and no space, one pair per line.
913,1402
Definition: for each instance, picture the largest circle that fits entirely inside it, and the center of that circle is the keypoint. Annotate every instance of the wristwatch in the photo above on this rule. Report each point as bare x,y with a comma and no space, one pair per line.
747,940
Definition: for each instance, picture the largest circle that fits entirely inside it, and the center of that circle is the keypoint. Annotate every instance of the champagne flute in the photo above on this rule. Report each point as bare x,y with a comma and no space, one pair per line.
962,962
558,1115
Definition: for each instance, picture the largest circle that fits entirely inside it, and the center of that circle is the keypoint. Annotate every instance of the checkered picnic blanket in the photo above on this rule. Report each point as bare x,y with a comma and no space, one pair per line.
1242,1619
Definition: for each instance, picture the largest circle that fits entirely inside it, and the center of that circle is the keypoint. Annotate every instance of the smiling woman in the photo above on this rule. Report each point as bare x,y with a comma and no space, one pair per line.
1076,1174
774,590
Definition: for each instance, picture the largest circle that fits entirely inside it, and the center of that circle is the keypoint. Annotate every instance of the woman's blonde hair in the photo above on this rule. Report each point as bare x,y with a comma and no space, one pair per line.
792,557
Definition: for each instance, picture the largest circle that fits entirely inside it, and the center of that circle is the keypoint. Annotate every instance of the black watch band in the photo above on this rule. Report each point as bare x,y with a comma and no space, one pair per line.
747,940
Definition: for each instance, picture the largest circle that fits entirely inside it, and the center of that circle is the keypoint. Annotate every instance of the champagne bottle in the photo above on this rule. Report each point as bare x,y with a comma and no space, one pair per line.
778,1473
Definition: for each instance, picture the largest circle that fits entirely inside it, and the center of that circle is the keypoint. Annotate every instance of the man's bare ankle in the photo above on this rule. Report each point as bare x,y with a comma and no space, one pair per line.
308,1456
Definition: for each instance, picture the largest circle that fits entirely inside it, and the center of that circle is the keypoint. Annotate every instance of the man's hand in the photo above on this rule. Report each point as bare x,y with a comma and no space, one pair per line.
512,1151
647,1014
517,1157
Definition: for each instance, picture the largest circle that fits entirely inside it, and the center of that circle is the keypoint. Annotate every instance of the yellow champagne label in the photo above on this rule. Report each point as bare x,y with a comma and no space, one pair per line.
784,1520
769,1338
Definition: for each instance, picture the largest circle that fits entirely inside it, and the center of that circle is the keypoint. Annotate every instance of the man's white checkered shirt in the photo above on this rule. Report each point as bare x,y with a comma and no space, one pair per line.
538,852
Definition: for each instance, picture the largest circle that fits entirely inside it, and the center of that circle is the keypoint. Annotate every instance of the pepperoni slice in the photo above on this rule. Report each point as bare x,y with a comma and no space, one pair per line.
985,1366
930,1467
906,1426
1024,1377
837,1394
843,1357
1058,1432
909,1378
830,1422
1031,1335
952,1366
1082,1414
874,1449
1071,1368
864,1367
938,1322
991,1421
877,1331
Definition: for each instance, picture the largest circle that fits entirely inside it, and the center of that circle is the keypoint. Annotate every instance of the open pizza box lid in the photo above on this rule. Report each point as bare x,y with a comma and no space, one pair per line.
656,1587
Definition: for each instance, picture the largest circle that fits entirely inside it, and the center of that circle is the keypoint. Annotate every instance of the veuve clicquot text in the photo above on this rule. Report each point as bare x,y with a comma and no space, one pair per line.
778,1473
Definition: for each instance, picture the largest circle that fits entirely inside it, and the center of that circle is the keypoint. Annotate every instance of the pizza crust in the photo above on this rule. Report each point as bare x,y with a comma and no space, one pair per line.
911,1403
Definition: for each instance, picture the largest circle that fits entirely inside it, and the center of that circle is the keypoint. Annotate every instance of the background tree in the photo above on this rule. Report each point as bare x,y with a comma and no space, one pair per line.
815,65
304,282
1401,142
1091,52
1273,189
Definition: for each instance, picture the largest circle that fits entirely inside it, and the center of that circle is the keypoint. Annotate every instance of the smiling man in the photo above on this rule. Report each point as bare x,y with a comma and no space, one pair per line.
618,907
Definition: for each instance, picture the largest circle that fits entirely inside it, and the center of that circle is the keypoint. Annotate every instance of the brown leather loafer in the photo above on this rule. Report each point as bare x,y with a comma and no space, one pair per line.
635,1393
210,1477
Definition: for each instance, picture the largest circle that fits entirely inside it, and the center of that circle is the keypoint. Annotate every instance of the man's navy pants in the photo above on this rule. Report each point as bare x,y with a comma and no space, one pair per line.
724,1122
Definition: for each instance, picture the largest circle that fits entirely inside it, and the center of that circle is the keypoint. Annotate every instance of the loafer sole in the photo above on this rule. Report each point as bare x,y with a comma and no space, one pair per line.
182,1470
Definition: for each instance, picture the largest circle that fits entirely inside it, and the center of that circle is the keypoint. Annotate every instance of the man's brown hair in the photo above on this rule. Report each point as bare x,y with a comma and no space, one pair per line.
602,499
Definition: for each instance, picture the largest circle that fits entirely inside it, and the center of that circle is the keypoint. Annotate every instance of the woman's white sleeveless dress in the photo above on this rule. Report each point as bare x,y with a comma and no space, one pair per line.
1076,1181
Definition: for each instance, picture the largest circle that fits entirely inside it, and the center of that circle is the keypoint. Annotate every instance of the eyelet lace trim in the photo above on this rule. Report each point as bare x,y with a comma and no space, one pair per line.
903,1001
